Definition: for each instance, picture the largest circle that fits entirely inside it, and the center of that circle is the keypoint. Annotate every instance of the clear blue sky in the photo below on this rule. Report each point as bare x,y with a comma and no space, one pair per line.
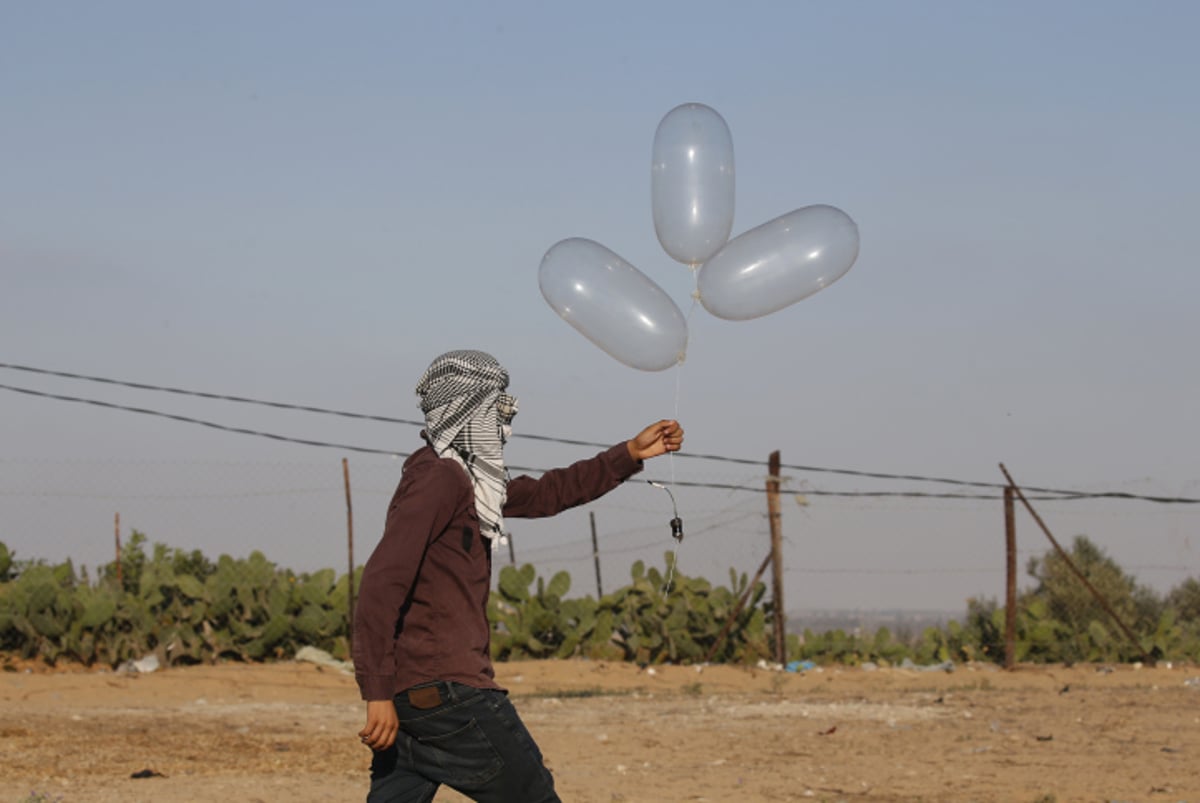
306,203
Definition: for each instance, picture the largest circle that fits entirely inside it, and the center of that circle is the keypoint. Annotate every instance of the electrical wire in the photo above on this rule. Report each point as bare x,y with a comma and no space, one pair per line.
526,435
1055,494
1067,497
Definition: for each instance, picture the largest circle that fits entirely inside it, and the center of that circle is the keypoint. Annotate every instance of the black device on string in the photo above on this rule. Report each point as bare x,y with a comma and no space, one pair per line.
676,523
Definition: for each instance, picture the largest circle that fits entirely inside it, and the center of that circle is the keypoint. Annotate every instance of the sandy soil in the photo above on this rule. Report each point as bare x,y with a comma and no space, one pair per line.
613,733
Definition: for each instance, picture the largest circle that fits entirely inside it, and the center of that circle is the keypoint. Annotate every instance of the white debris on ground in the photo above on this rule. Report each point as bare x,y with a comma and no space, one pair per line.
142,666
314,655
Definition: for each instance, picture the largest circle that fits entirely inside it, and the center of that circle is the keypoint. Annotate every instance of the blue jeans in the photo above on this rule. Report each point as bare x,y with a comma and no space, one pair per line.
469,739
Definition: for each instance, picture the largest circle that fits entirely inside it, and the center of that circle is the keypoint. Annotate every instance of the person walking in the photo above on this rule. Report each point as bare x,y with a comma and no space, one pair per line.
422,661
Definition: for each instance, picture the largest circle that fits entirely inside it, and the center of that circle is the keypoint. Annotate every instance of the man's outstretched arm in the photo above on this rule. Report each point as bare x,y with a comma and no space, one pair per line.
581,482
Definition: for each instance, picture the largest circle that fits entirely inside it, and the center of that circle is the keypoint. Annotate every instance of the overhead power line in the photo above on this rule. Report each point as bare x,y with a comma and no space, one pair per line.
392,453
206,395
1053,494
200,421
526,435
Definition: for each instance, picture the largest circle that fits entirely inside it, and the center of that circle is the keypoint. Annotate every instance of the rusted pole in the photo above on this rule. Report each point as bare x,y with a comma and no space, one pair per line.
350,550
596,554
774,515
117,538
1010,589
1062,553
741,603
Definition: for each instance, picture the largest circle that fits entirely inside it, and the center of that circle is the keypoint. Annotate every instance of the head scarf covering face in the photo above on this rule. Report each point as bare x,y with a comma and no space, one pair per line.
467,414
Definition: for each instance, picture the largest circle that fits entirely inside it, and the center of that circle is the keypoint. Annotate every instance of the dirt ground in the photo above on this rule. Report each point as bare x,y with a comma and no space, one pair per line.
612,732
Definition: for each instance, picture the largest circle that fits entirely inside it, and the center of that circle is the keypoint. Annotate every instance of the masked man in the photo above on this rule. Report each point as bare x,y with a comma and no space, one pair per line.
435,714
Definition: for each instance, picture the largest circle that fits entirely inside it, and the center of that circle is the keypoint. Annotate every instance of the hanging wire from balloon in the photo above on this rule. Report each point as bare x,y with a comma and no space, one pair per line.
676,533
676,521
679,373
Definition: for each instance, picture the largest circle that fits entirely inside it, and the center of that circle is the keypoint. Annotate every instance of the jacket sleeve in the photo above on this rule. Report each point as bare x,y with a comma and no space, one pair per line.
423,506
563,488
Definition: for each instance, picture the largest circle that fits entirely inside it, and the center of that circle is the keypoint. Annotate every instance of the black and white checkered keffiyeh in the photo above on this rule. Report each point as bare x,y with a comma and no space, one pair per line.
466,415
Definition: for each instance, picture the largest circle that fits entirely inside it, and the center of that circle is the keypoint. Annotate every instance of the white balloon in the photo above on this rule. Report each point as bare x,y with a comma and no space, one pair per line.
778,263
613,304
692,183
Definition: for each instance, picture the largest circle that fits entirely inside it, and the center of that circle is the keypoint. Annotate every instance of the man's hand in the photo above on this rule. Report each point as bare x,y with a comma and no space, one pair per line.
382,725
660,438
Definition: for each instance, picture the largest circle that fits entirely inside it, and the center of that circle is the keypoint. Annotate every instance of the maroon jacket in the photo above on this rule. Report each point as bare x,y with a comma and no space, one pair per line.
422,607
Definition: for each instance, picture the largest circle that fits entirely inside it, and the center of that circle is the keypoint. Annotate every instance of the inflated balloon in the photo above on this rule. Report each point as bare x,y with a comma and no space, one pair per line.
692,183
778,263
613,304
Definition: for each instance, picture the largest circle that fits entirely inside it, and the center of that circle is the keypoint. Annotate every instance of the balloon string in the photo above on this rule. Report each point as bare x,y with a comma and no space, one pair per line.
671,455
679,377
675,415
666,590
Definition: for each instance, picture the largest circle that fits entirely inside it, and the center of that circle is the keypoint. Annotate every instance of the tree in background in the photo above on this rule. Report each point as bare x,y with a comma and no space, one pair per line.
1185,599
1084,629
